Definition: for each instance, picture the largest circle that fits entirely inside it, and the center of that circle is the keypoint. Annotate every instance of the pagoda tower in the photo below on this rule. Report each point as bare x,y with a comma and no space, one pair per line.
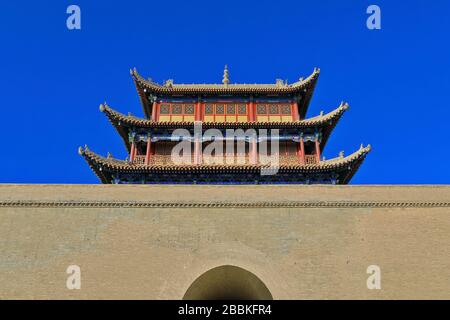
260,126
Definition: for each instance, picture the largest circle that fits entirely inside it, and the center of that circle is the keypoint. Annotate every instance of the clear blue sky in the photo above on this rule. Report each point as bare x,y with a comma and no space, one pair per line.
396,80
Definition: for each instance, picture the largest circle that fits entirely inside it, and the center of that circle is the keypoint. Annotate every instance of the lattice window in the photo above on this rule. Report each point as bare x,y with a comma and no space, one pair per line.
242,109
177,109
229,112
220,109
274,109
261,109
189,109
285,109
164,109
176,112
273,113
231,109
209,109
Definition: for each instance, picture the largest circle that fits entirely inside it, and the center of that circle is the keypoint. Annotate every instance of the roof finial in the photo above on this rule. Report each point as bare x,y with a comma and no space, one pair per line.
225,79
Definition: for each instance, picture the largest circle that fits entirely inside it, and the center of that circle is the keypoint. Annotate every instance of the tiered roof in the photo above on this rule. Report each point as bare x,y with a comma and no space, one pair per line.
304,87
125,123
340,169
106,167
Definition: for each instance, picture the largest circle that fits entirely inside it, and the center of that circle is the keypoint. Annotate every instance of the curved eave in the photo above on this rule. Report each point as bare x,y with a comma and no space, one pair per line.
225,89
304,103
141,93
94,161
105,167
123,123
335,117
305,86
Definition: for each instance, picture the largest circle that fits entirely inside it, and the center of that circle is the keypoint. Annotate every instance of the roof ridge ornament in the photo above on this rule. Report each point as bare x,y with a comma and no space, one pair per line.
280,83
225,79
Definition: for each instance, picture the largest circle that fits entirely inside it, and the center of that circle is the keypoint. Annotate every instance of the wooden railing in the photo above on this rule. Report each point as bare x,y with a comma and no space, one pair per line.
238,159
139,160
227,159
310,159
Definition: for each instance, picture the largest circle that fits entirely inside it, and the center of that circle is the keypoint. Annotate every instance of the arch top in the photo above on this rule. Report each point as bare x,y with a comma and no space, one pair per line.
227,282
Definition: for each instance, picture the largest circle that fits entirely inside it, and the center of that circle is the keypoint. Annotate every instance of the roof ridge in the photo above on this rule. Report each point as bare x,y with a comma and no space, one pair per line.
229,87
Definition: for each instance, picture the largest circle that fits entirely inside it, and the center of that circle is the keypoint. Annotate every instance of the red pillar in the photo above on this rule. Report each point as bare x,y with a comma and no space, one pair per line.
295,115
301,151
254,152
198,111
132,151
154,110
148,153
317,150
197,152
251,113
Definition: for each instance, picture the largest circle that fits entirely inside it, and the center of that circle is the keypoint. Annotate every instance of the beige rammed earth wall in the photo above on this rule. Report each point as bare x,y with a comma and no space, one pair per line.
153,242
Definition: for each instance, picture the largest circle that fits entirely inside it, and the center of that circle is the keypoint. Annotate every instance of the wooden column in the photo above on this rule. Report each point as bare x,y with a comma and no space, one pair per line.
295,115
132,151
301,151
317,150
251,111
198,110
253,151
197,152
154,111
148,152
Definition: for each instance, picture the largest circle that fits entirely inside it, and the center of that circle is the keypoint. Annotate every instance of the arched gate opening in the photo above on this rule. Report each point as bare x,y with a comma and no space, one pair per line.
227,283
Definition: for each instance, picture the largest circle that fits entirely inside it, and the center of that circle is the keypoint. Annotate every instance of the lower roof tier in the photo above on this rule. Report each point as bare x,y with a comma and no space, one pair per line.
334,171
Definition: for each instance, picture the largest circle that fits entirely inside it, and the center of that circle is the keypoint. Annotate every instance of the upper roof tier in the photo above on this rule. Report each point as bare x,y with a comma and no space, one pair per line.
302,89
279,87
